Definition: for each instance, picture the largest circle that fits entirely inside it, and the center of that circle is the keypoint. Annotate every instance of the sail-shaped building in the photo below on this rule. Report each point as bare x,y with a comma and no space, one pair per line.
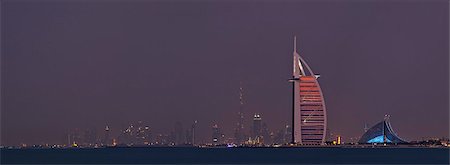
309,112
381,133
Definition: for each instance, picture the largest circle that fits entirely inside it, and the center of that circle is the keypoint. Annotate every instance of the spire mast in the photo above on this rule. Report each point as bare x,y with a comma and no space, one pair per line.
295,43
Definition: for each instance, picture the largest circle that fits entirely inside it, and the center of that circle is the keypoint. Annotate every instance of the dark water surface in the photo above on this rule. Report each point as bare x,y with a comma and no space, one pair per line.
228,155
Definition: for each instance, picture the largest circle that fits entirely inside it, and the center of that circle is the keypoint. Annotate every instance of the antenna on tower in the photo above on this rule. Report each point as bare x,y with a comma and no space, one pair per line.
295,43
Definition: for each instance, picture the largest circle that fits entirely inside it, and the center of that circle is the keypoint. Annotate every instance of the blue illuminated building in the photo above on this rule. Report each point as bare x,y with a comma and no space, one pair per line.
381,133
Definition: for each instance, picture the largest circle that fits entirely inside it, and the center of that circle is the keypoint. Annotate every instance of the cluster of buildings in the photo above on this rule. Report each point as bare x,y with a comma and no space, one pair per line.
139,134
136,134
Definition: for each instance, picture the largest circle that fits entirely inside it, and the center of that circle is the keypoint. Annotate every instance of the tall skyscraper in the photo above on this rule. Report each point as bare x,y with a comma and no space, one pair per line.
257,127
239,130
194,125
288,137
178,130
266,134
74,137
216,135
309,112
106,139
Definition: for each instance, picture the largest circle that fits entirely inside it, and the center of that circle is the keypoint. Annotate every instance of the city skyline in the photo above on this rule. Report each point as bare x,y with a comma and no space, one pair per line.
68,65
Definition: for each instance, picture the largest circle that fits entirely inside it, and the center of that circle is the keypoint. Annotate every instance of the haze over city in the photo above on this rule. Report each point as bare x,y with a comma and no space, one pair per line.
80,64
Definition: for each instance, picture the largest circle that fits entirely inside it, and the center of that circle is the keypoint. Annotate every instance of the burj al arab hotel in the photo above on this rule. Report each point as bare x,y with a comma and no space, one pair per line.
309,118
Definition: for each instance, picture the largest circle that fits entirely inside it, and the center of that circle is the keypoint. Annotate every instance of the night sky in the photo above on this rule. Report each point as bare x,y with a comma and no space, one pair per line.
86,64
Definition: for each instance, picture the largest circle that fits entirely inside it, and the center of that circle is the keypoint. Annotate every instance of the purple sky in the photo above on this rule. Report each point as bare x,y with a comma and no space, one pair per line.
86,64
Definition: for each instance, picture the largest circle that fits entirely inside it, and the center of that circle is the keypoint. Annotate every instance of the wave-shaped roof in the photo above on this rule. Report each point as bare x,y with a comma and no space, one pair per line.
381,133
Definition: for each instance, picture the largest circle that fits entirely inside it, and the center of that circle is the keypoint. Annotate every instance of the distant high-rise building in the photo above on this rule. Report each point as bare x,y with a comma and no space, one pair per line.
279,137
193,129
216,135
148,134
68,139
256,132
287,134
106,139
172,138
188,135
74,137
265,134
179,138
309,112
